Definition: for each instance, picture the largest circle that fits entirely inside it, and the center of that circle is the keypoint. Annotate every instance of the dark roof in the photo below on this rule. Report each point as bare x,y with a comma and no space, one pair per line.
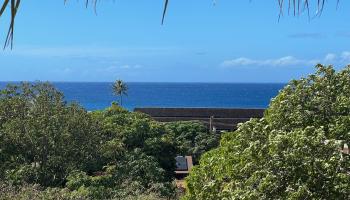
223,118
203,112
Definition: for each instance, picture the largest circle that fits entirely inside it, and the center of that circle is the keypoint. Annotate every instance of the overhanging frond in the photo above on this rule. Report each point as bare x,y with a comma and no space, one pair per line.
297,6
14,5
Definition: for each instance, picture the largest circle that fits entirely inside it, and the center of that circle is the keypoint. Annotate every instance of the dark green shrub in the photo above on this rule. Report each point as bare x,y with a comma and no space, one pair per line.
191,138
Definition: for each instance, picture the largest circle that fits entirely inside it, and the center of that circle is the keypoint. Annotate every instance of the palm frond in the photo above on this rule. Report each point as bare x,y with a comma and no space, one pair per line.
298,7
14,5
164,10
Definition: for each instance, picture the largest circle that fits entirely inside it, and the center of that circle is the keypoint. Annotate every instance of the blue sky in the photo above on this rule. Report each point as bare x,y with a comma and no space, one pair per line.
232,41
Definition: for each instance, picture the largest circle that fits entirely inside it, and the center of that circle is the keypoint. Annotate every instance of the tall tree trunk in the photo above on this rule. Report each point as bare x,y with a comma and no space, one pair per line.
121,99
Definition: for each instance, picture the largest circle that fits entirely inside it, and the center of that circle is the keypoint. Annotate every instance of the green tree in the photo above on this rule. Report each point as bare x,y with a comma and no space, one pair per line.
42,138
191,138
292,153
105,154
138,158
321,100
120,88
136,174
125,132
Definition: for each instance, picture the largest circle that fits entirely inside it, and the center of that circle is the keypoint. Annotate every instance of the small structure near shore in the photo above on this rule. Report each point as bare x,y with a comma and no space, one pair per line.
184,165
216,119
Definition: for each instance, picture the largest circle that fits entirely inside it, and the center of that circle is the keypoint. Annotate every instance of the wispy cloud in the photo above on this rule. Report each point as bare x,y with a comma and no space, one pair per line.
341,59
131,66
122,67
330,58
283,61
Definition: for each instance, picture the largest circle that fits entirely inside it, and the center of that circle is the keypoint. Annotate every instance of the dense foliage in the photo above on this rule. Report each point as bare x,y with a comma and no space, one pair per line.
192,138
46,143
36,192
54,150
321,100
292,153
41,138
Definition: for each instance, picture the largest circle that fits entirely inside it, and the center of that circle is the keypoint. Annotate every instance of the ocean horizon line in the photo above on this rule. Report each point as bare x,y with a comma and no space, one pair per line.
99,95
145,82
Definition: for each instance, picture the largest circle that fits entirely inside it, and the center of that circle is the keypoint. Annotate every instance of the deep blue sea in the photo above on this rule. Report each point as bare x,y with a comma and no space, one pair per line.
95,96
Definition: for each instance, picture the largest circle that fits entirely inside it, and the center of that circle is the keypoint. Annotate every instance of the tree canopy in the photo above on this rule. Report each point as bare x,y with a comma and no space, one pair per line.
52,148
192,138
46,143
40,133
292,153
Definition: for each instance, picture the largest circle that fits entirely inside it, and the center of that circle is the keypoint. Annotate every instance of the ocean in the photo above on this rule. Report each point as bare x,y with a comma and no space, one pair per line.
94,96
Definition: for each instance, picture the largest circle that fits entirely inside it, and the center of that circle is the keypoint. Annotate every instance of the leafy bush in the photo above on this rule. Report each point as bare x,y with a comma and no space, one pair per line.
126,132
191,138
42,138
35,192
292,153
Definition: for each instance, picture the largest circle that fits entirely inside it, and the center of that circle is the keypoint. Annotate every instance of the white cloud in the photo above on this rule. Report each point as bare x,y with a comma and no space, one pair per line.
238,61
283,61
115,68
330,58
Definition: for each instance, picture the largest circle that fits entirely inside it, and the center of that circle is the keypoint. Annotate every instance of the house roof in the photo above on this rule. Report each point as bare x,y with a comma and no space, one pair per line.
222,118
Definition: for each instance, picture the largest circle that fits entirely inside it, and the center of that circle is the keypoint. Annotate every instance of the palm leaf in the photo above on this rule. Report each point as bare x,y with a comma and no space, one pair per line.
14,5
295,4
6,2
164,10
